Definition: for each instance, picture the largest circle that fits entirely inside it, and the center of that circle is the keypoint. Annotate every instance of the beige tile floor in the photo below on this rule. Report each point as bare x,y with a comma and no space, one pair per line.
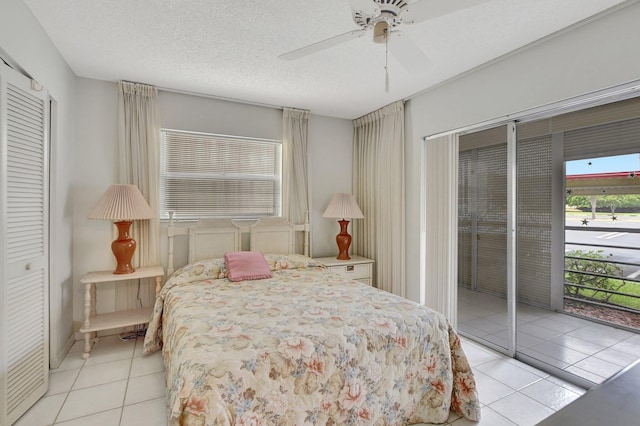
116,385
583,348
119,386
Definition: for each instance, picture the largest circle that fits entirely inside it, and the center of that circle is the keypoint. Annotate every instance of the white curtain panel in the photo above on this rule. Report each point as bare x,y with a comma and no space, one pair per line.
378,186
295,168
139,164
441,226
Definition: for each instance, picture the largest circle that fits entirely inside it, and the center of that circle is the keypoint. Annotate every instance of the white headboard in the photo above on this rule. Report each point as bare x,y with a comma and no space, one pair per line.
212,238
273,235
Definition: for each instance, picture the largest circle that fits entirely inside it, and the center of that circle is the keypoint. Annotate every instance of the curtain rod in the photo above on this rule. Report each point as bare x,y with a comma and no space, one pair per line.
219,98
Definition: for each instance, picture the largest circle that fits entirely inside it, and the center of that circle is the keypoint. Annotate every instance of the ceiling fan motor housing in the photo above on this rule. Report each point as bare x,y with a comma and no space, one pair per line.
390,13
380,31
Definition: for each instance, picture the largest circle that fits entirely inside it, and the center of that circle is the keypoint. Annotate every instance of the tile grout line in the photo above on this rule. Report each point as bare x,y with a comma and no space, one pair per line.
66,397
68,393
126,389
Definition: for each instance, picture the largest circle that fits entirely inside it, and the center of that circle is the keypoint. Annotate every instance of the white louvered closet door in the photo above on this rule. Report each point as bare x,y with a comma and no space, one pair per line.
24,269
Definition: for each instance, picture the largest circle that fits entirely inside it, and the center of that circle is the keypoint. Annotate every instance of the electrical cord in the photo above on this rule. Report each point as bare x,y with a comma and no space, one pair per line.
133,334
141,329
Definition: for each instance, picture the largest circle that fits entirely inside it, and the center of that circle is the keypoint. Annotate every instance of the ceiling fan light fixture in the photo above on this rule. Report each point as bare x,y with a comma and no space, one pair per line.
380,31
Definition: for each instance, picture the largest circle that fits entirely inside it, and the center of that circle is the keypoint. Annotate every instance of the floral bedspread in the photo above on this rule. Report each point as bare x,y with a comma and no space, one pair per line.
306,347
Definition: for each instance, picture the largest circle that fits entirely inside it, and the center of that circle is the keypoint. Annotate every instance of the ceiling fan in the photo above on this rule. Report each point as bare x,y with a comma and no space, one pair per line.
383,18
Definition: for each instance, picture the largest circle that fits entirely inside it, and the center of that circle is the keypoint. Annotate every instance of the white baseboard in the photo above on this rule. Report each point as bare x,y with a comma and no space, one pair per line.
56,359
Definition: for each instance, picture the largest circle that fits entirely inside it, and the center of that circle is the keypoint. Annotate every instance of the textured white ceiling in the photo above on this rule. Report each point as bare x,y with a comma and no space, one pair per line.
230,48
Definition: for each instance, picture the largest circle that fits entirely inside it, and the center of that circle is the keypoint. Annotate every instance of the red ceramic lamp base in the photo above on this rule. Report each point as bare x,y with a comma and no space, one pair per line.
123,248
344,240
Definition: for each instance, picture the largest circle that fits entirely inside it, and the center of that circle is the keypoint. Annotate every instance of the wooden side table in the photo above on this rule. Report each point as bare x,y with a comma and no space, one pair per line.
358,268
94,322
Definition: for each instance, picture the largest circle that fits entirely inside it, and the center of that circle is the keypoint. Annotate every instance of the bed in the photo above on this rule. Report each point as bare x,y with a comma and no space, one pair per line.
304,346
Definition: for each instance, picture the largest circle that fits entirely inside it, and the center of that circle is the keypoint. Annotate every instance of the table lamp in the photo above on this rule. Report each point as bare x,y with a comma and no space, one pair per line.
122,204
343,207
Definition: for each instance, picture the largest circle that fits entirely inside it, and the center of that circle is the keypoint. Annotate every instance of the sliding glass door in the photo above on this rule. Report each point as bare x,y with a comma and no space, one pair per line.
482,237
512,196
504,227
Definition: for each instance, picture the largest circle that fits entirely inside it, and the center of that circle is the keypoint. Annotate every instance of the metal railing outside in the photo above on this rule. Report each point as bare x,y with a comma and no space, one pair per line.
594,277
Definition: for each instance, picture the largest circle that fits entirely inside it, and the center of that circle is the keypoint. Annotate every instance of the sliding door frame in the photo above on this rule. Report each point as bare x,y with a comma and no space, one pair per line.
558,188
512,238
579,103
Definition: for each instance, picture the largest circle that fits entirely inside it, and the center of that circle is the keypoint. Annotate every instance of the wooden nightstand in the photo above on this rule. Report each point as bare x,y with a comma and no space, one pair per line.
96,322
357,268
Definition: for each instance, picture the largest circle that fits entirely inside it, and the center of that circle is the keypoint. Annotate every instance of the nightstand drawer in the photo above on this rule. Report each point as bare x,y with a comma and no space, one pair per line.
357,268
353,271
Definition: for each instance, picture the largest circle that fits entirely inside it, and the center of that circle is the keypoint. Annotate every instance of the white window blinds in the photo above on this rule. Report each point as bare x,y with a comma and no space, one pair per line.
482,215
534,220
208,175
603,140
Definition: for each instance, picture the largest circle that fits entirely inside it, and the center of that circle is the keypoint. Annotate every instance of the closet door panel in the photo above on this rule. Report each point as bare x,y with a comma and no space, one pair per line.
24,332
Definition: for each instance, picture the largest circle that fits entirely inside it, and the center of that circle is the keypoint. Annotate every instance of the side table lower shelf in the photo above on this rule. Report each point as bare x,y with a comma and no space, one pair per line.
117,319
94,322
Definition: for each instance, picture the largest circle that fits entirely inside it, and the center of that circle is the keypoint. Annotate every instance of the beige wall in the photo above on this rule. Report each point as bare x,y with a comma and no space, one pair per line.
330,146
591,57
24,42
595,56
84,161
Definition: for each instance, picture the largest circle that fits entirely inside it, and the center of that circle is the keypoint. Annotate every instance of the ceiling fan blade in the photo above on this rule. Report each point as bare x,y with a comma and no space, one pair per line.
408,53
428,9
321,45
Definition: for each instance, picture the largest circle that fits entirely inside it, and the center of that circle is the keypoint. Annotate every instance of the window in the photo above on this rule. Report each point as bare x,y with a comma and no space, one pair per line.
208,175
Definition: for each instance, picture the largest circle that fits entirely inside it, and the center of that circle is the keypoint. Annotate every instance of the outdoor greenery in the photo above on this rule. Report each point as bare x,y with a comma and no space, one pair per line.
599,276
615,201
630,302
610,201
579,200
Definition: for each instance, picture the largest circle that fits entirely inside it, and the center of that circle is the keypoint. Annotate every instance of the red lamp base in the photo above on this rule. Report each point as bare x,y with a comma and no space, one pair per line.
344,240
123,248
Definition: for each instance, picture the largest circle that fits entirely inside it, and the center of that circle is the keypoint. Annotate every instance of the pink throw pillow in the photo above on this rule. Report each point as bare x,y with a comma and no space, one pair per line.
246,265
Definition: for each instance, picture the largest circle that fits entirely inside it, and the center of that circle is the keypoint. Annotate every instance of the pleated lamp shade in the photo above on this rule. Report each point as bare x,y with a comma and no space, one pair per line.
122,202
343,206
